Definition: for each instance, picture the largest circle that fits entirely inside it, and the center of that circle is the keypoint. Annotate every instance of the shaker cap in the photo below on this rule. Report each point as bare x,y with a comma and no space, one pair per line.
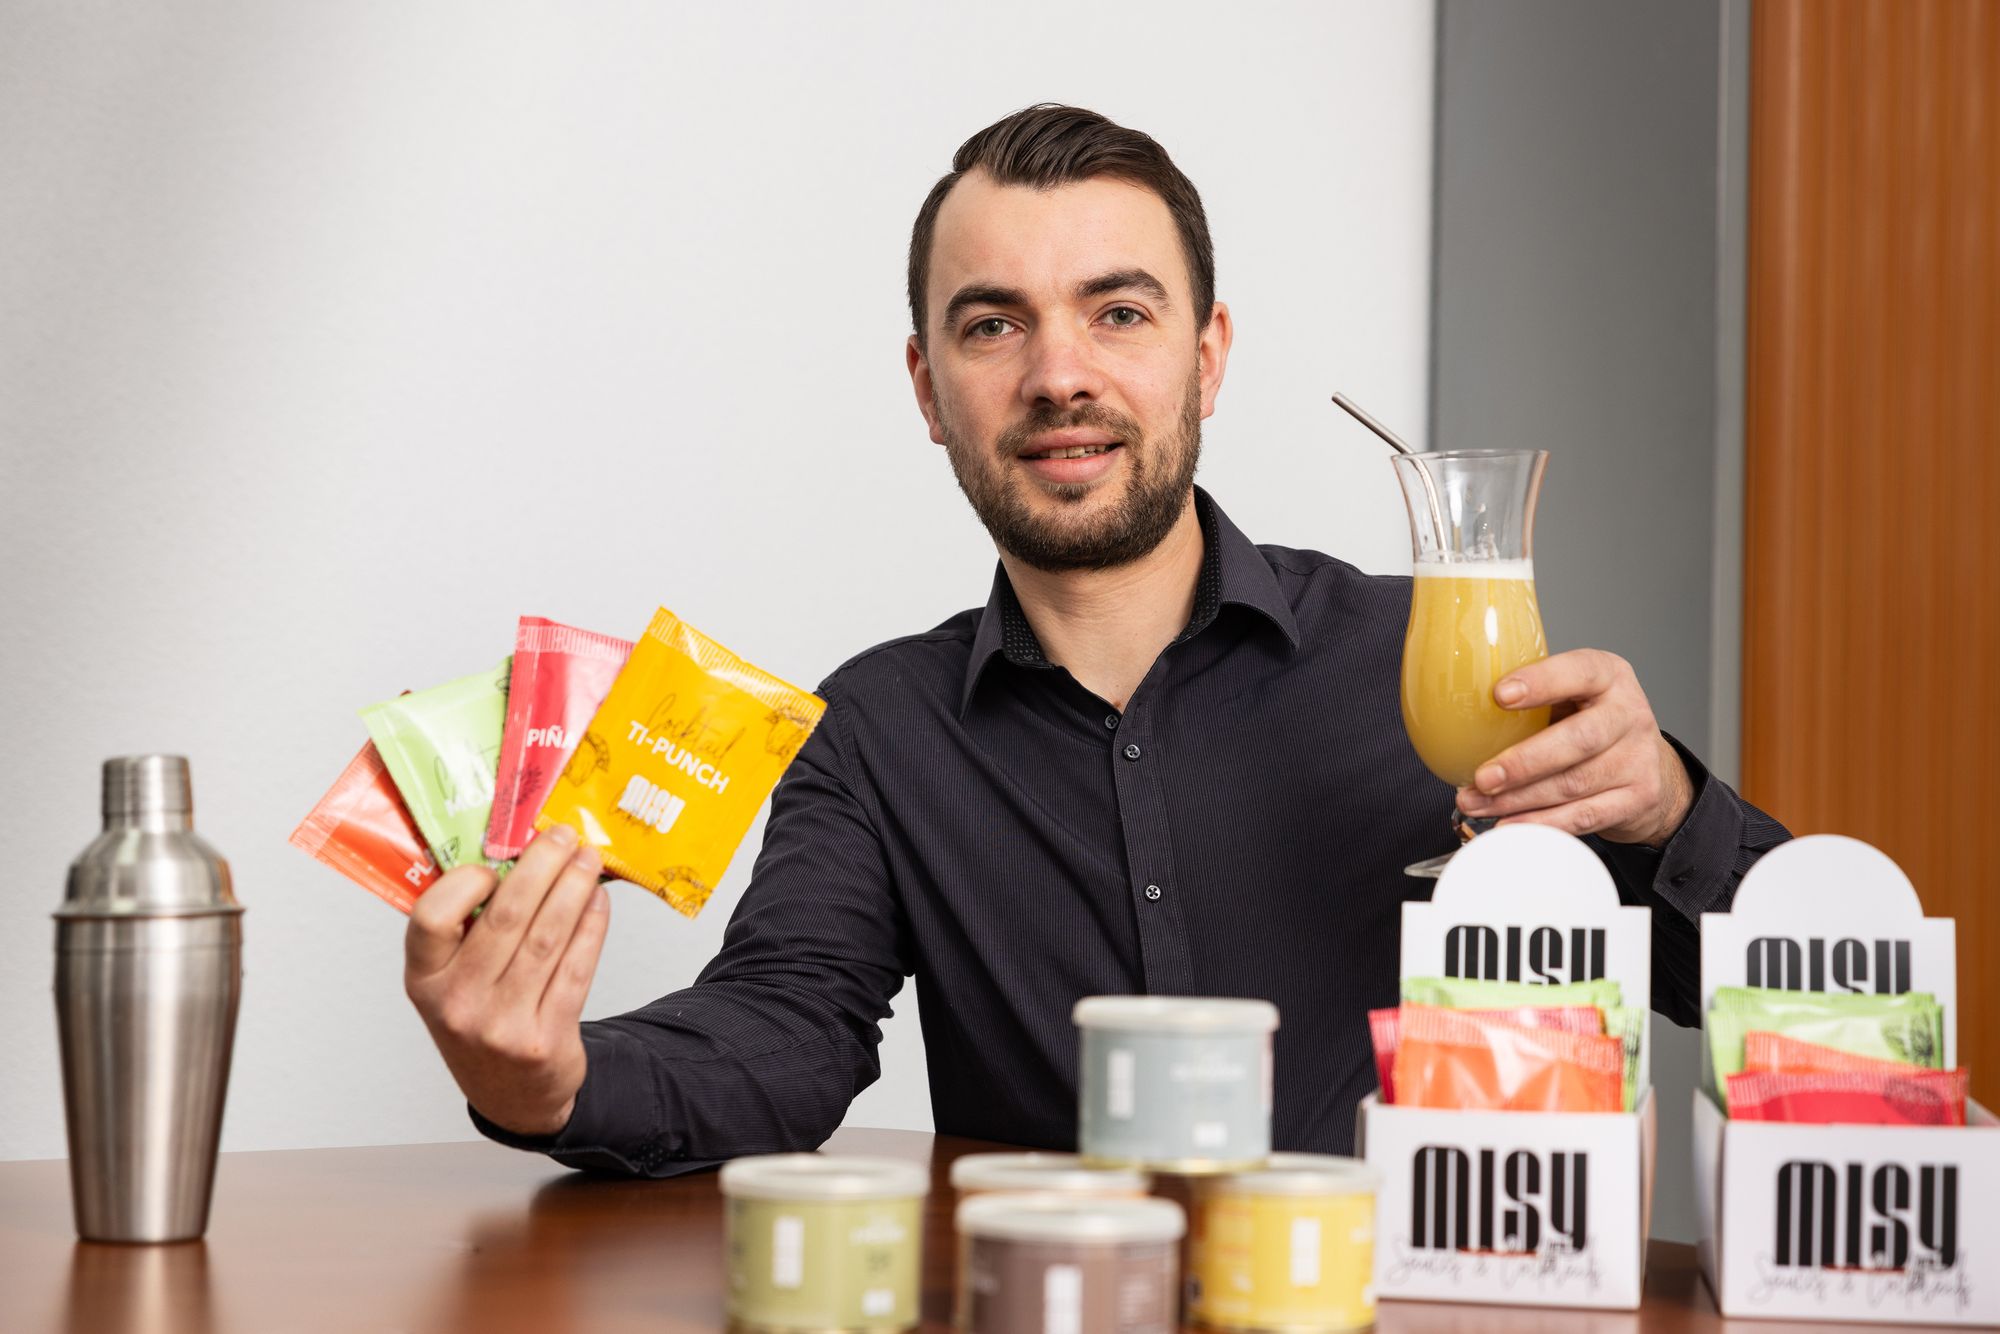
147,862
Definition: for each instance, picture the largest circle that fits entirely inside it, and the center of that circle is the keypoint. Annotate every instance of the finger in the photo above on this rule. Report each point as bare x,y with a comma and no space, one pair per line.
542,944
497,934
1579,782
1579,674
437,922
562,1001
1562,745
1606,810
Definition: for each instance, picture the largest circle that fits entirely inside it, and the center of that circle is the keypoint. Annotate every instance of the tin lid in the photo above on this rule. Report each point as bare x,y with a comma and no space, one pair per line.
1063,1173
1176,1014
148,862
1086,1219
817,1176
1302,1174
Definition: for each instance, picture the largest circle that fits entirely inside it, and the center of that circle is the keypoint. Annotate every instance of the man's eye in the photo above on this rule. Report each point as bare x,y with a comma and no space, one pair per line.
1118,311
991,327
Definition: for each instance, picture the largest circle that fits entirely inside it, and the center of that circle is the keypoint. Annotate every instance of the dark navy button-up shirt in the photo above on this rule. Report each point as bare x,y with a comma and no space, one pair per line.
969,815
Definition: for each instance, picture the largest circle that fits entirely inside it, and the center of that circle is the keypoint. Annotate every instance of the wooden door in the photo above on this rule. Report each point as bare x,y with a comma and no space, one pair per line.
1871,682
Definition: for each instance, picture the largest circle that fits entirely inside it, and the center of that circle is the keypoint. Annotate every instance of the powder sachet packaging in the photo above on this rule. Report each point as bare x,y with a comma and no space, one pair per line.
677,761
1776,1054
561,674
442,746
1458,1059
1853,1097
362,829
1906,1027
1385,1030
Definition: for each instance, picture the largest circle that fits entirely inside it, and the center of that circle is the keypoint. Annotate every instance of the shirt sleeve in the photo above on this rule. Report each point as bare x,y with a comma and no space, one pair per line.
1696,872
777,1035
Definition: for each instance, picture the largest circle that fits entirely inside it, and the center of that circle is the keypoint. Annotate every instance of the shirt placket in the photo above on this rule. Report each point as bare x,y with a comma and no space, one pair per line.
1149,863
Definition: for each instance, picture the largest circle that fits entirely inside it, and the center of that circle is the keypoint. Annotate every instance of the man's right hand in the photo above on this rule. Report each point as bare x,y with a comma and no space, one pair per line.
502,994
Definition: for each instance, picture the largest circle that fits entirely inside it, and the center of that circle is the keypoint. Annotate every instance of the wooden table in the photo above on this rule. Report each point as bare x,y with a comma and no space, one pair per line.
475,1237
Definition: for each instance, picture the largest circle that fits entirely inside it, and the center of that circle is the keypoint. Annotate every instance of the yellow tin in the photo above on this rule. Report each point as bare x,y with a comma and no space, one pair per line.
1288,1247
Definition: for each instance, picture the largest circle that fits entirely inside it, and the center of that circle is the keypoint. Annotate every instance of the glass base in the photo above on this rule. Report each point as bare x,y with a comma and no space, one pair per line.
1468,827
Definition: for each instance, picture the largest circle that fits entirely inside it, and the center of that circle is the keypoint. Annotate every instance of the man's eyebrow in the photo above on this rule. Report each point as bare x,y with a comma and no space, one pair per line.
1119,280
980,294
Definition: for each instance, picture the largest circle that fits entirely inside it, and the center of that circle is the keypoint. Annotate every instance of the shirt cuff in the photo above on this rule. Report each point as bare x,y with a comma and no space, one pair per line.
599,1136
1697,867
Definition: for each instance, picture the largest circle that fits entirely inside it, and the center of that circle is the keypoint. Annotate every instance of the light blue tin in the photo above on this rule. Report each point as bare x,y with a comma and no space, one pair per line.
1175,1083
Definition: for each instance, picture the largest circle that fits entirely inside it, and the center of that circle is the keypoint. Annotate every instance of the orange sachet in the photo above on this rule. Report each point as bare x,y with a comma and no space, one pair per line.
1385,1029
1459,1059
1774,1053
362,829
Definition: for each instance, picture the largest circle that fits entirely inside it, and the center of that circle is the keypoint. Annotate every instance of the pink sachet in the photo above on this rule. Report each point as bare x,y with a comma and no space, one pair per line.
561,674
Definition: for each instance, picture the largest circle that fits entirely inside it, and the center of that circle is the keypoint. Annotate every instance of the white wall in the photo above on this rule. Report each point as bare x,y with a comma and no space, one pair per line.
333,337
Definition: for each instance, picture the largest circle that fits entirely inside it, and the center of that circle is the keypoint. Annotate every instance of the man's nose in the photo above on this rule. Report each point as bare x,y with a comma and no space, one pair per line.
1063,366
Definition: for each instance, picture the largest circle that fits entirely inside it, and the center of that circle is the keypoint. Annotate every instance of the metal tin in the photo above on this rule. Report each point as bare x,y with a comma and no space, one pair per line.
1176,1084
1068,1264
1057,1173
148,976
831,1245
1287,1248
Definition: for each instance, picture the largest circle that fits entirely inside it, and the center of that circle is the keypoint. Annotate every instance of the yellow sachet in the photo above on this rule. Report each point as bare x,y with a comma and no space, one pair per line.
676,762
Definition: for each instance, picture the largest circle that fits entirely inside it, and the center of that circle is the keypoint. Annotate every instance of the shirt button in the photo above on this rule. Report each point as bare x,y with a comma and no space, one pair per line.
1132,752
1153,893
1111,721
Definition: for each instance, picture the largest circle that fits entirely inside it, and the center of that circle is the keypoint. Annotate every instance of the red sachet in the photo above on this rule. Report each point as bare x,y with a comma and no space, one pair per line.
1776,1054
1456,1058
362,829
1384,1029
1861,1098
561,674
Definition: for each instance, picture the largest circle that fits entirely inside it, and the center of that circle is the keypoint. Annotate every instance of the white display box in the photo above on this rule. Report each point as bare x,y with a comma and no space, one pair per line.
1526,1208
1863,1223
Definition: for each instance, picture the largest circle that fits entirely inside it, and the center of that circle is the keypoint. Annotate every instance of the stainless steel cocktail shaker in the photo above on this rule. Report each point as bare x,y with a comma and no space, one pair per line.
149,969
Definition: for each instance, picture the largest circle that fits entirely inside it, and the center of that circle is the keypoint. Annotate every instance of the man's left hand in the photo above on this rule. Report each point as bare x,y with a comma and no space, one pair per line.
1600,767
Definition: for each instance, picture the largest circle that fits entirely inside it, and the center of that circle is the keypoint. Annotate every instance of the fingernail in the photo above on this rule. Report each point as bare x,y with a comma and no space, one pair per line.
601,900
562,835
1510,692
1490,778
586,859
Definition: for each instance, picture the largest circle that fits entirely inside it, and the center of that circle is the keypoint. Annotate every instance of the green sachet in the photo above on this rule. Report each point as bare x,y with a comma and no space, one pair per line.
1471,993
442,746
1628,1025
1909,1027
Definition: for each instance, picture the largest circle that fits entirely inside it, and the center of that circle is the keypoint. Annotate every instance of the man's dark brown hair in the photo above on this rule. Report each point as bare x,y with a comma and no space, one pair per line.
1049,145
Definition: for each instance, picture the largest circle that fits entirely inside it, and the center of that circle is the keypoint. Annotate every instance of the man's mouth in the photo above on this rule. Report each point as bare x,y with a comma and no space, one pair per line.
1069,452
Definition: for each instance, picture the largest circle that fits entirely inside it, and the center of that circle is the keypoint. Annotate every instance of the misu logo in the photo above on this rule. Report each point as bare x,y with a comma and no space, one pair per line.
1815,964
1517,1203
1850,1217
1544,954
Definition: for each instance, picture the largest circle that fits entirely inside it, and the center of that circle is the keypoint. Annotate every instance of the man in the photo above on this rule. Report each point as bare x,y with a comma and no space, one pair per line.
1160,760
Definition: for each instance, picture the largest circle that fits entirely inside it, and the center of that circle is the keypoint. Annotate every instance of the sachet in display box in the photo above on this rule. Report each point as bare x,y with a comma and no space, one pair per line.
1840,1171
677,760
1511,1171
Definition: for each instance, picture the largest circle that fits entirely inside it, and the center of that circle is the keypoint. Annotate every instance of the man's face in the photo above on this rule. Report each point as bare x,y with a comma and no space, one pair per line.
1061,321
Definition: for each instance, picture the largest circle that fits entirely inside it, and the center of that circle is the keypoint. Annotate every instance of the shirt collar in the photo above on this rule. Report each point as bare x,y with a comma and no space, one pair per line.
1233,571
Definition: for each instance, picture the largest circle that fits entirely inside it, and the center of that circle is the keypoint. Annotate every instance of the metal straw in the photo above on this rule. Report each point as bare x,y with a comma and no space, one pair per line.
1354,409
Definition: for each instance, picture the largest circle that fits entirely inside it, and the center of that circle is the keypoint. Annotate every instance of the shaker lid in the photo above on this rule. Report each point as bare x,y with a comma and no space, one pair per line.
148,862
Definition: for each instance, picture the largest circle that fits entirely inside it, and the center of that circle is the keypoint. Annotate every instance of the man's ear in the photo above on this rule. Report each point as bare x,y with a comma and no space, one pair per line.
920,381
1212,355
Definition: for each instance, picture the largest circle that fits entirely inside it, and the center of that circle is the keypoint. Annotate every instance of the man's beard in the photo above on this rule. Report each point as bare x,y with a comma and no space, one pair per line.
1159,485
